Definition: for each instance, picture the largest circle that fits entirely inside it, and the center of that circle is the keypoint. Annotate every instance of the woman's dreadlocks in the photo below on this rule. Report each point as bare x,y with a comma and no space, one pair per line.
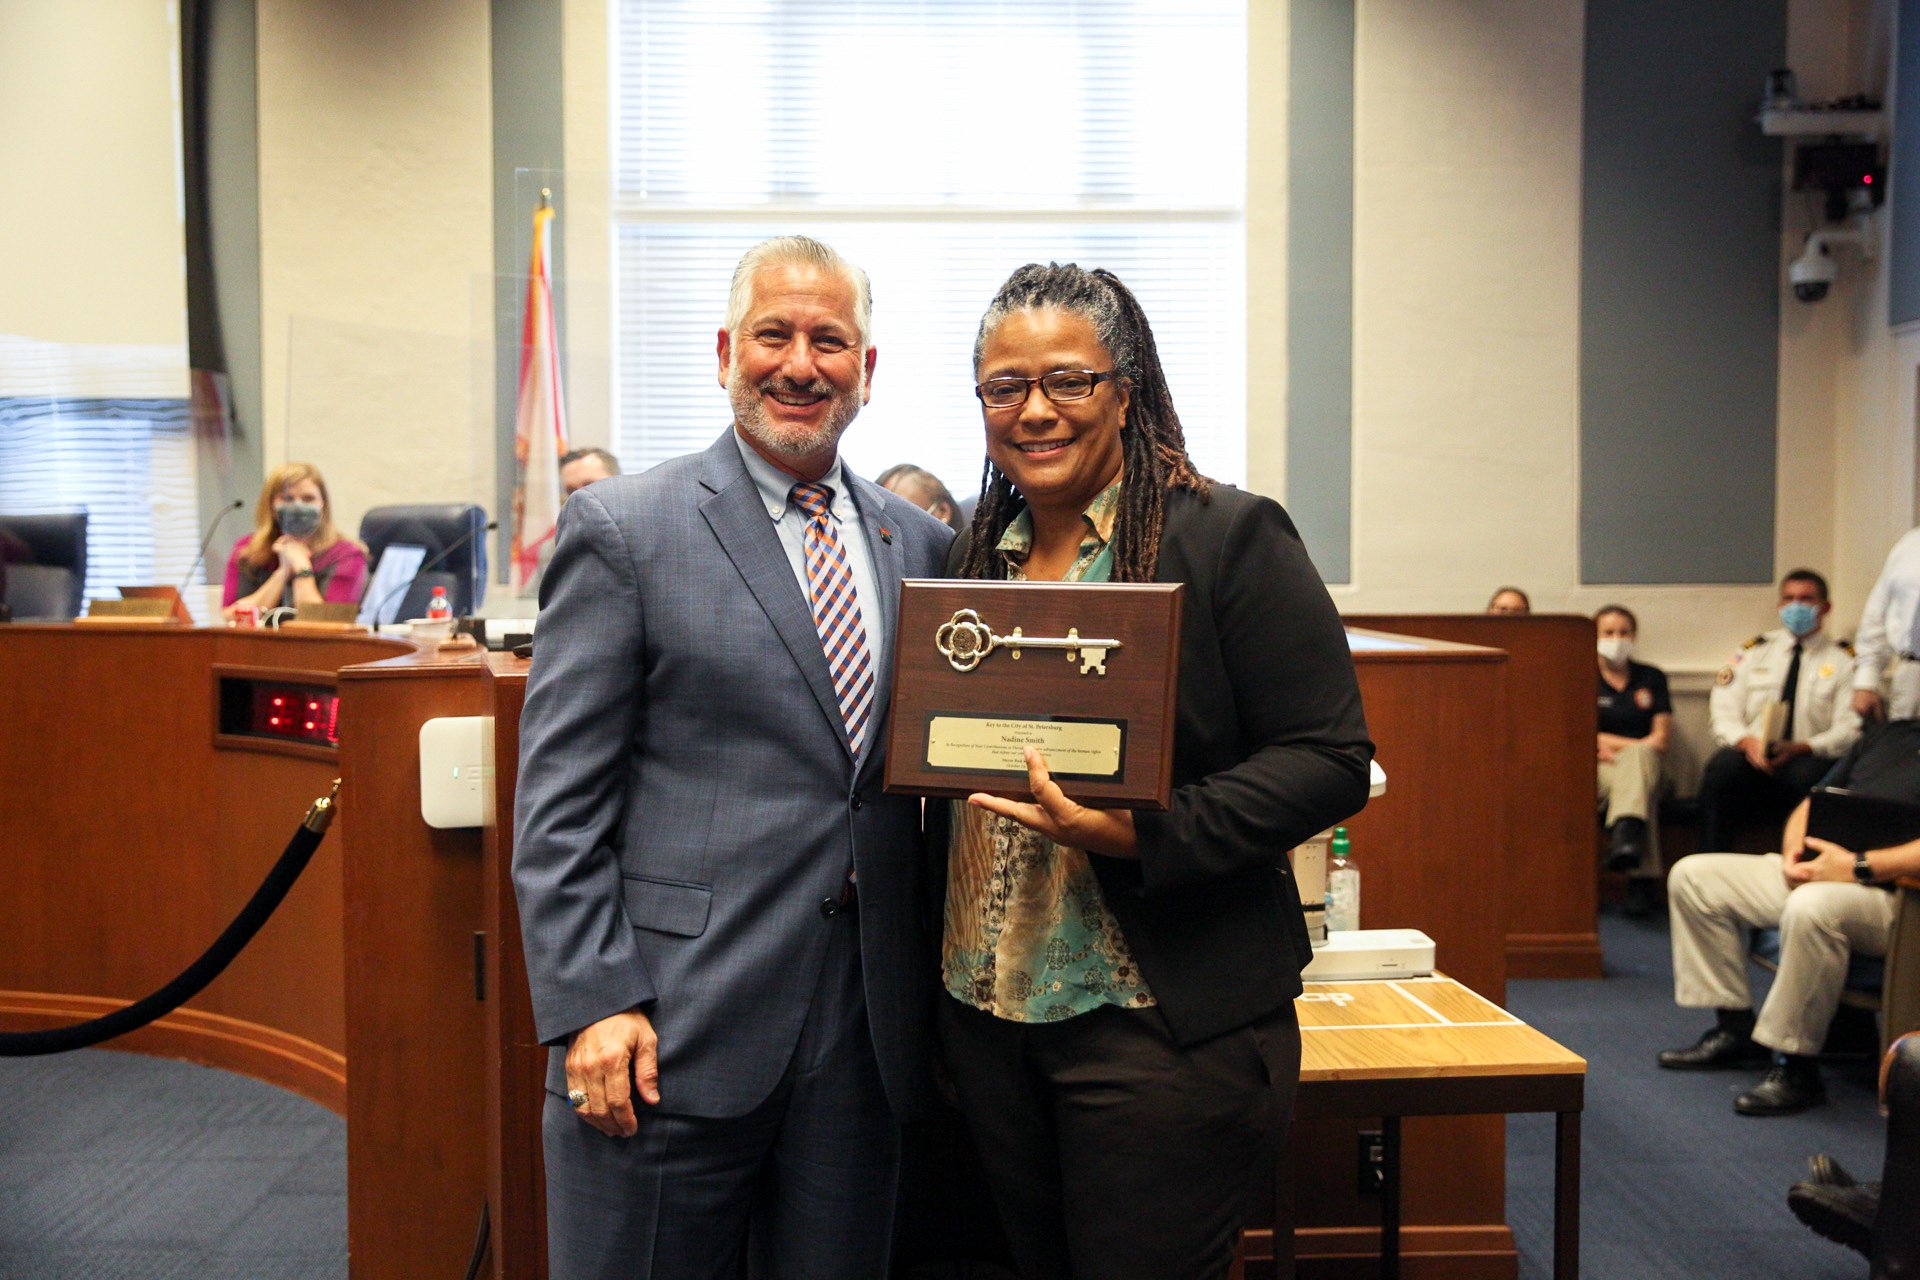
1153,447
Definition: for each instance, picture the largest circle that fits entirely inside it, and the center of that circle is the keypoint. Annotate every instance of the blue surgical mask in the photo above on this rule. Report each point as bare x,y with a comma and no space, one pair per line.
297,519
1800,618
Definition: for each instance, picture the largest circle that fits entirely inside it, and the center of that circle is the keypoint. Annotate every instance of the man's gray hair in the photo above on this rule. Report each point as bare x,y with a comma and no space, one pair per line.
804,250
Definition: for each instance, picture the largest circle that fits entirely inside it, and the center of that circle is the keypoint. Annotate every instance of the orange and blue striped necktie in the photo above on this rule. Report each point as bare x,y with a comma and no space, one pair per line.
836,612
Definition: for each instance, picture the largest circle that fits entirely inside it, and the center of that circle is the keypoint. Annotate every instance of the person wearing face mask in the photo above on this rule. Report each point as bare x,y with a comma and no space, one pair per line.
294,555
1757,778
1636,718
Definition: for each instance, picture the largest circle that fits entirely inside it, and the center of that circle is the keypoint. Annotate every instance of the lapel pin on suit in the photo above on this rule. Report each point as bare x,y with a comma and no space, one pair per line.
886,535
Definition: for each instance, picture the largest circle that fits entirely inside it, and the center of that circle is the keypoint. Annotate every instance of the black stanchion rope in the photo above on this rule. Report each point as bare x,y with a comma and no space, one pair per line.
212,962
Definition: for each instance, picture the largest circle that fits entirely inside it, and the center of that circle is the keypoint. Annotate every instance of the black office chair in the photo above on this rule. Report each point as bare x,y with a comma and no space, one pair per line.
46,573
440,528
1896,1232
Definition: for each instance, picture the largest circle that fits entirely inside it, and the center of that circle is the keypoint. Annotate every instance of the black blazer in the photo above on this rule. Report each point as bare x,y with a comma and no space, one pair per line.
1270,749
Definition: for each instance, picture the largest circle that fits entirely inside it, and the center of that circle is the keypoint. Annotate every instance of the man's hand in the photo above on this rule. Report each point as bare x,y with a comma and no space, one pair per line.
1607,749
1781,752
1867,702
1107,831
607,1061
1831,862
1756,753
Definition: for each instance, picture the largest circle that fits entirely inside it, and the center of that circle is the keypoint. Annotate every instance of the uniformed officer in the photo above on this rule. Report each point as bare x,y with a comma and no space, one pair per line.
1802,667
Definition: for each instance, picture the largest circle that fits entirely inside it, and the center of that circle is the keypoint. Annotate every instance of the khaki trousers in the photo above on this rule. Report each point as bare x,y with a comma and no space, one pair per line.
1628,782
1714,898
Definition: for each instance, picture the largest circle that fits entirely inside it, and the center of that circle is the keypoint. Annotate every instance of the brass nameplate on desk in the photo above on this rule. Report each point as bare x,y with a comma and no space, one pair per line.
972,743
1086,672
328,611
123,612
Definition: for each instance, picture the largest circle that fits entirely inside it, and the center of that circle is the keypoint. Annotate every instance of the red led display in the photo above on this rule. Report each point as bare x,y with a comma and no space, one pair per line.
296,713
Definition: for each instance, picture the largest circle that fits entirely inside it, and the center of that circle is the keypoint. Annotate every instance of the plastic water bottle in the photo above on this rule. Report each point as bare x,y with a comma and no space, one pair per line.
439,606
1343,885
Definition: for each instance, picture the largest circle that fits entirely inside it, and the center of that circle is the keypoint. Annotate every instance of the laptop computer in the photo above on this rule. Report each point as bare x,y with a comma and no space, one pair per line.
1859,822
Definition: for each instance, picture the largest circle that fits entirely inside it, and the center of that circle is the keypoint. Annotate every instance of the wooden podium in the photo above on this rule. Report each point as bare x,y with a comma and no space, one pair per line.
390,984
134,827
1548,727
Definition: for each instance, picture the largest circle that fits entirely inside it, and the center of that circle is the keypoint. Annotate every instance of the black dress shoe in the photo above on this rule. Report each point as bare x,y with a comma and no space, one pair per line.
1627,844
1843,1215
1718,1050
1786,1091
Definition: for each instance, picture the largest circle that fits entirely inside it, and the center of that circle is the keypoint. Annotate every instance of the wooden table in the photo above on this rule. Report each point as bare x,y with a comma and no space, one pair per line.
1432,1047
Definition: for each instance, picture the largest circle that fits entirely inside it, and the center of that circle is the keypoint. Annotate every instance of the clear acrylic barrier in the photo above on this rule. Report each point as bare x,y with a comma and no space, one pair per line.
388,417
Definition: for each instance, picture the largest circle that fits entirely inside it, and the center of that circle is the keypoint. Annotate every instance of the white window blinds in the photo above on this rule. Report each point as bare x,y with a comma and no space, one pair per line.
107,430
940,145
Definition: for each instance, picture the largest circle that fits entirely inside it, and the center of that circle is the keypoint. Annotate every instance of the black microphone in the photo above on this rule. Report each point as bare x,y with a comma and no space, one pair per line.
207,541
430,565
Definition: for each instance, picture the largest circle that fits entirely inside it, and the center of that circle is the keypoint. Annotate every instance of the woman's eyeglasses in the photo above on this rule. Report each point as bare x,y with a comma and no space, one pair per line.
1059,386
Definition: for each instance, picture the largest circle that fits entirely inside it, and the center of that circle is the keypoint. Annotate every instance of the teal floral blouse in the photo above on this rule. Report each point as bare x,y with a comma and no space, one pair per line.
1028,936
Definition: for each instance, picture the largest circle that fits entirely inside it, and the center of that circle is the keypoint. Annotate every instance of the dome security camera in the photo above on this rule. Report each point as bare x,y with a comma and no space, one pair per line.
1813,272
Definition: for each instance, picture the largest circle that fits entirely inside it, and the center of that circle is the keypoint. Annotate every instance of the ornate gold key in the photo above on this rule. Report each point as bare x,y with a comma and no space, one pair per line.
963,640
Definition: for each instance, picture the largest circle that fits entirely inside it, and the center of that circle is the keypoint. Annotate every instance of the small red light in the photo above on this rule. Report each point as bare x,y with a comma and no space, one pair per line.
1866,179
279,702
313,706
309,724
273,719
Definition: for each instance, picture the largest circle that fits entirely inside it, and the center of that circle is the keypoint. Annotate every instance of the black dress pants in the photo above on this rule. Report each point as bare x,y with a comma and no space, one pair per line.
1114,1153
1733,794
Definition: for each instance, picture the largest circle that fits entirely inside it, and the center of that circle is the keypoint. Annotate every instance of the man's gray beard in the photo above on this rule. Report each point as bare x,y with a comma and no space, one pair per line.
794,445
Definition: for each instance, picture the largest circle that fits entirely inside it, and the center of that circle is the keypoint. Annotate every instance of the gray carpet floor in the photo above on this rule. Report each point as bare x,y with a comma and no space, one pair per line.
119,1166
1674,1183
115,1166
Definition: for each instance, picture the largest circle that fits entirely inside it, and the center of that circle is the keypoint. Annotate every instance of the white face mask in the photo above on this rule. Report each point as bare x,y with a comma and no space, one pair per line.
1616,650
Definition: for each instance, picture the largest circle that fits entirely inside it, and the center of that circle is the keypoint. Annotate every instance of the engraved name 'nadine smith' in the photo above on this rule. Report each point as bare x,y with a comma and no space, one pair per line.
1086,748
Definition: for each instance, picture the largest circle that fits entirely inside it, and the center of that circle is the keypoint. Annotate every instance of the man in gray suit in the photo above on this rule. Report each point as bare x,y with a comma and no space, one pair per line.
722,911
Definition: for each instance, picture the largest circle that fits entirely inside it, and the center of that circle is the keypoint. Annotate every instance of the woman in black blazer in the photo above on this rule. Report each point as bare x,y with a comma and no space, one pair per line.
1120,1026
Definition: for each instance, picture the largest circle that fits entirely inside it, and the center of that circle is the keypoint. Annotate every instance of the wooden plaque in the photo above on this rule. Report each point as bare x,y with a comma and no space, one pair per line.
1108,737
149,604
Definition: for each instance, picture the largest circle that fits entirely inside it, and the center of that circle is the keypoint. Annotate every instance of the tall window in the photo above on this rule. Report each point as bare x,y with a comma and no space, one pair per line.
939,144
106,430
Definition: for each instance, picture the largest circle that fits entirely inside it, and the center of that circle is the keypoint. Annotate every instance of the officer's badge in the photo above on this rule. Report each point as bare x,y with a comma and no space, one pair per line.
1725,676
1643,699
1826,671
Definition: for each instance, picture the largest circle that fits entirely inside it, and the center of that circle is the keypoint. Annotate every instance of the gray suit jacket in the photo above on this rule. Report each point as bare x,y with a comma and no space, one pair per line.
687,797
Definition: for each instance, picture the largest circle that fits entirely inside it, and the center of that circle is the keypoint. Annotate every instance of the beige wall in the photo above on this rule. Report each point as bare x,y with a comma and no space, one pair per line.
1466,302
376,246
92,217
1466,327
376,231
